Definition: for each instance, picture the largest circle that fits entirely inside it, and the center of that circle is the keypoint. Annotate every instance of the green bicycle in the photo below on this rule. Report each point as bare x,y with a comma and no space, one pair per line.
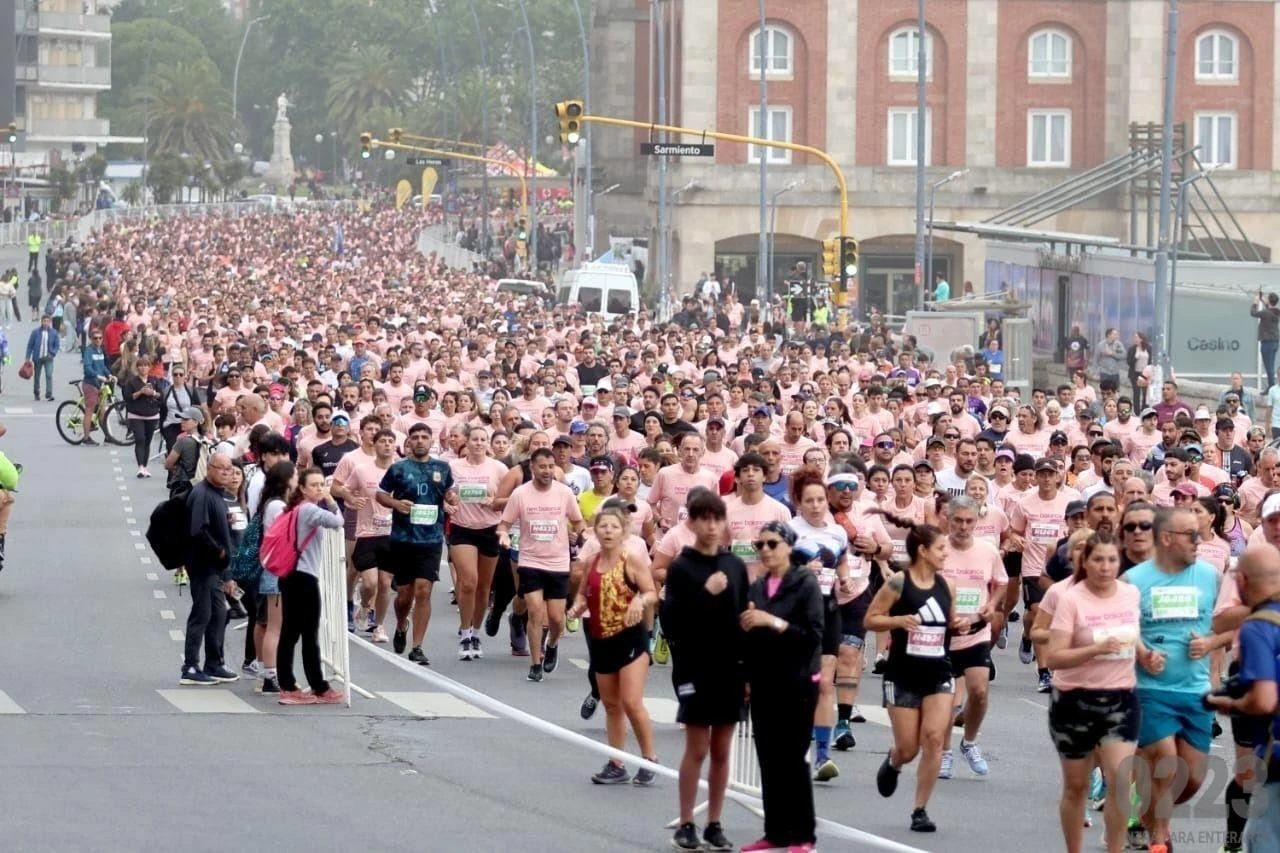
110,417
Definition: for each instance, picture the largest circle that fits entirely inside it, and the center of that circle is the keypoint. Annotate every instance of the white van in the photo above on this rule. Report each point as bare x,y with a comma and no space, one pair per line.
606,289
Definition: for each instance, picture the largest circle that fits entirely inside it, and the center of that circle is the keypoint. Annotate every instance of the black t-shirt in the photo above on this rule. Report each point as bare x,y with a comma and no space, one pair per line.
593,374
327,455
188,450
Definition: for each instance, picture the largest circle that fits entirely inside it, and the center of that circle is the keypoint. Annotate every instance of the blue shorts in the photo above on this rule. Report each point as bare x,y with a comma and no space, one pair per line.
1168,713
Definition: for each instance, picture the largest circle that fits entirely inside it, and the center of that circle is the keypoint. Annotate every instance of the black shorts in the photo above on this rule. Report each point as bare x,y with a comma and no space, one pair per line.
913,695
1013,564
852,631
372,552
349,524
1082,720
715,701
974,657
554,586
1032,592
1242,732
831,627
610,655
483,539
409,563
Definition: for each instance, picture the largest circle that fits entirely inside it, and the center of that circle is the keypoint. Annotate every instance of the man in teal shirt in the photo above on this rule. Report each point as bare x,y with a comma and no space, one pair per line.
1178,593
941,289
96,373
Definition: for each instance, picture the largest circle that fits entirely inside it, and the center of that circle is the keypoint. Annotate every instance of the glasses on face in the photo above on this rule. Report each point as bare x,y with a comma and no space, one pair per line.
886,445
844,487
1193,536
1095,433
952,436
1135,526
1194,458
998,417
762,544
233,375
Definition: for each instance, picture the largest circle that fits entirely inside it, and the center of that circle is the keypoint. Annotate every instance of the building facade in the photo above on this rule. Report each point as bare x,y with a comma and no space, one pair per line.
1024,94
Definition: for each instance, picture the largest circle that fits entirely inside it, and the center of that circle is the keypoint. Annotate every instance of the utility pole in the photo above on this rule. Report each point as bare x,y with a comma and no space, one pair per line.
1163,295
532,224
764,277
922,112
484,132
660,31
589,204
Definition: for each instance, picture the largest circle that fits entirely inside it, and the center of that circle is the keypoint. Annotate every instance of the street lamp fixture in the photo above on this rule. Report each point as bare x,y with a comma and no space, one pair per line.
607,190
927,276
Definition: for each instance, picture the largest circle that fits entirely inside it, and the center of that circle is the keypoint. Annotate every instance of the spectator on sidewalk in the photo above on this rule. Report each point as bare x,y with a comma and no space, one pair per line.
1267,312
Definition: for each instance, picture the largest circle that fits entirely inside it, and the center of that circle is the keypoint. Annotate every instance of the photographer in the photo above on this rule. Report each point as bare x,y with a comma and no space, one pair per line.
1251,695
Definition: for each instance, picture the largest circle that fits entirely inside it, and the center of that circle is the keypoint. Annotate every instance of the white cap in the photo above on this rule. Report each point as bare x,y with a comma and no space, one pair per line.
1202,414
1270,507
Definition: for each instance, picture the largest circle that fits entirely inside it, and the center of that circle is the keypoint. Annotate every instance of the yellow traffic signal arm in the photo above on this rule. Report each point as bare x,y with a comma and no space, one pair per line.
401,146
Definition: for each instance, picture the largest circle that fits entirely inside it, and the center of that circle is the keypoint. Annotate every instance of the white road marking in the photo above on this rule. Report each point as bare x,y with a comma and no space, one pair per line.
176,635
1033,703
8,706
130,520
122,488
146,561
139,546
134,532
434,705
206,700
661,710
167,614
580,663
158,593
119,479
117,469
152,576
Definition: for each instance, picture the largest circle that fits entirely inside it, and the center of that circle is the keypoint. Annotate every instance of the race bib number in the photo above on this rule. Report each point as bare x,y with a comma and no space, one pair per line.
588,390
237,519
900,549
1045,534
682,515
1175,602
514,538
382,523
927,641
1126,634
743,550
543,531
424,514
857,566
472,494
968,601
826,580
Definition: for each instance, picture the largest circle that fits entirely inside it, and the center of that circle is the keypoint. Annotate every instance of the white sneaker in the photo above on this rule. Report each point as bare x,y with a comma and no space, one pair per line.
944,769
464,648
379,635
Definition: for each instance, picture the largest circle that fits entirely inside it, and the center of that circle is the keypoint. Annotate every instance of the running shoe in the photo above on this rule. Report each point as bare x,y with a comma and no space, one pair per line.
296,697
550,659
400,640
882,660
644,778
180,577
855,715
686,837
612,774
945,768
1217,728
1014,616
332,696
920,822
464,648
661,651
476,652
958,722
1046,683
1002,641
973,754
535,673
1136,835
269,685
221,674
1025,654
492,622
844,739
572,624
826,771
379,635
588,708
253,669
713,838
193,677
887,778
1097,790
416,656
372,624
518,635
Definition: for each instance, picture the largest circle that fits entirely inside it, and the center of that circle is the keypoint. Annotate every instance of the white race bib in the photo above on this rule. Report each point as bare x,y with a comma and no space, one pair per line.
857,566
968,601
424,514
743,550
1126,634
927,641
1045,534
382,523
543,531
826,580
472,493
1175,602
900,550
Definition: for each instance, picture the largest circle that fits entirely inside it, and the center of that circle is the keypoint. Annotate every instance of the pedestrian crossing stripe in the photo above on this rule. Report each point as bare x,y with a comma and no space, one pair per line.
206,700
8,706
432,706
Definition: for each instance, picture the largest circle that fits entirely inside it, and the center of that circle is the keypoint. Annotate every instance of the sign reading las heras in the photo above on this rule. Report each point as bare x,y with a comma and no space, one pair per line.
677,149
427,161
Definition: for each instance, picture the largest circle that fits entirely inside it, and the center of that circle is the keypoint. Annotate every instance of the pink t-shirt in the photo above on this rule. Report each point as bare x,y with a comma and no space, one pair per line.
637,552
671,488
991,526
1215,551
1042,524
1049,604
743,523
718,461
973,571
475,483
544,516
361,478
673,541
1090,619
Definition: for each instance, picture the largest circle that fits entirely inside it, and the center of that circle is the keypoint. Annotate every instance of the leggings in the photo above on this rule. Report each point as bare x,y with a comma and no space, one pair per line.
504,585
144,431
300,620
170,435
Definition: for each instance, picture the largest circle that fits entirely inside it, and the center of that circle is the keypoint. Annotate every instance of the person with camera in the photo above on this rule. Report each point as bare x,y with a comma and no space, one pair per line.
1250,697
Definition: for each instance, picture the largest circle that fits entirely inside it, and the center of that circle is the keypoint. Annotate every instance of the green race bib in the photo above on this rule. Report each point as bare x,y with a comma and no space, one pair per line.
424,514
968,601
1175,602
473,493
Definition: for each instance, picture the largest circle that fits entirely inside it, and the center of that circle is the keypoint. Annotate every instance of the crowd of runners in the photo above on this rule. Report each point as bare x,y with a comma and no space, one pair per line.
757,511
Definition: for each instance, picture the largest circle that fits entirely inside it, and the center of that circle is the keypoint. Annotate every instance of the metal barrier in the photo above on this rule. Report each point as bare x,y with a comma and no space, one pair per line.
434,238
335,652
54,231
96,220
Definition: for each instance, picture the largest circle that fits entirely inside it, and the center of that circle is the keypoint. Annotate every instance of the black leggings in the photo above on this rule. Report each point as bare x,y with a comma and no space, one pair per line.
504,584
300,619
170,435
144,432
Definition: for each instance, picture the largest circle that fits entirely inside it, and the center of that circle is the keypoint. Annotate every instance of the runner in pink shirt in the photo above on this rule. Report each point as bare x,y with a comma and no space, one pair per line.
748,510
359,481
672,485
473,537
1036,524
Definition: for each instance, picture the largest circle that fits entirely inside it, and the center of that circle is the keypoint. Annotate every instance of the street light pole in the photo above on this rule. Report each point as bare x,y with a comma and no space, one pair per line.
660,37
773,221
589,213
484,132
921,114
532,225
764,274
235,75
1164,294
1179,222
933,188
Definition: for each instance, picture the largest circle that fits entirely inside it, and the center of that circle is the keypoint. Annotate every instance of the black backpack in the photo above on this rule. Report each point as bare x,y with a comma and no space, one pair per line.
167,532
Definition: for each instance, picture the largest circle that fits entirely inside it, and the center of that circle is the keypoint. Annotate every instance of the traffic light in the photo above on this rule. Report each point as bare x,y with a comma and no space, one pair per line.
831,258
848,261
570,115
395,134
366,145
11,133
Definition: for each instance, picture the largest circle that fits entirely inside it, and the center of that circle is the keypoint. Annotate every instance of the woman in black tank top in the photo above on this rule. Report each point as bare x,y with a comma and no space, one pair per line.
916,607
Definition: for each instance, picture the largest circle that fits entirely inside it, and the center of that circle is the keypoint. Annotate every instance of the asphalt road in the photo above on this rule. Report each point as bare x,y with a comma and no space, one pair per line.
103,751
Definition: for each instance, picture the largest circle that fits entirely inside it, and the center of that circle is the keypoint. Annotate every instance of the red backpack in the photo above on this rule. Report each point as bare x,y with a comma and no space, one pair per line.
280,550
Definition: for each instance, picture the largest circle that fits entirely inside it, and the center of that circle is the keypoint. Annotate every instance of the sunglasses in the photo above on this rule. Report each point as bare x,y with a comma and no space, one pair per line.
1194,457
844,487
1192,535
233,375
1095,434
998,417
953,436
887,445
1134,526
761,544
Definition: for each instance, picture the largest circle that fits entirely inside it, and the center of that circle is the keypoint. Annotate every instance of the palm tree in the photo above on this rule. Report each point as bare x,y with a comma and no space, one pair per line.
369,77
186,109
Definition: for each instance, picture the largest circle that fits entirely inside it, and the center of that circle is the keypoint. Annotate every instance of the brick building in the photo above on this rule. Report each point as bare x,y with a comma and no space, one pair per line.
1023,93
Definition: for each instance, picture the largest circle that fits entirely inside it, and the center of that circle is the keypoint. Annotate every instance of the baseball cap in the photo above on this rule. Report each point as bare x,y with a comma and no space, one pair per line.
1270,507
1006,453
590,401
340,417
1184,488
1148,412
1224,423
622,412
1225,491
1045,464
276,390
1202,414
562,440
600,463
715,419
762,410
998,410
577,427
1194,448
1074,508
191,413
935,441
1059,437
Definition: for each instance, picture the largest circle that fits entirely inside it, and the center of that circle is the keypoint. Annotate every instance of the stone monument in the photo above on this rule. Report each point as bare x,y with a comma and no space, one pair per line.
280,172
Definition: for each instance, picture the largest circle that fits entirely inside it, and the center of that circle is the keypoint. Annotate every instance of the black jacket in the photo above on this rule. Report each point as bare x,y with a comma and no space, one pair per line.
211,541
701,628
795,655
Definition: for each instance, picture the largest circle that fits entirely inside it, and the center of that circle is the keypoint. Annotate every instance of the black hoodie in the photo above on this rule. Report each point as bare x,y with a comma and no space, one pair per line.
702,629
795,655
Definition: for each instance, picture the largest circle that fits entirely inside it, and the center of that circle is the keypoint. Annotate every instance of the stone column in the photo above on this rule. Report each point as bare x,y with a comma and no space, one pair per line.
981,82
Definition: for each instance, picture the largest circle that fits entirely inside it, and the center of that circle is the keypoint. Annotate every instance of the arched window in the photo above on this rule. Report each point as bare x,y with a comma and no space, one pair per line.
1049,54
904,53
775,49
1217,56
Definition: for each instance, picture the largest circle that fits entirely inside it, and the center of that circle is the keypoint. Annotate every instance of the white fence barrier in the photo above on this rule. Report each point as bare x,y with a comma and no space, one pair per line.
54,231
435,238
335,652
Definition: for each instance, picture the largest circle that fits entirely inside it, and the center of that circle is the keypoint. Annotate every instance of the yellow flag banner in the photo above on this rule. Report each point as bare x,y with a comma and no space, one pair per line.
404,190
429,180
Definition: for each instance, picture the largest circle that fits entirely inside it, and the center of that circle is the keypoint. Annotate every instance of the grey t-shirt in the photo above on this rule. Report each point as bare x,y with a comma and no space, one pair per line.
188,450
